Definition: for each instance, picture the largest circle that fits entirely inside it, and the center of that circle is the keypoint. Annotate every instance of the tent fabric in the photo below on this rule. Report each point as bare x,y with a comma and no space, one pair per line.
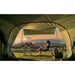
11,24
43,31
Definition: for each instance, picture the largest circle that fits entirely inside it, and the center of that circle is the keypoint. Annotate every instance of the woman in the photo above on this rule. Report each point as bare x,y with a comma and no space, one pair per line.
45,48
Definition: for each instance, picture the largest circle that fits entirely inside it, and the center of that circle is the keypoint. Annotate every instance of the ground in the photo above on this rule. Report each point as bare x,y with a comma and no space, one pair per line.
44,56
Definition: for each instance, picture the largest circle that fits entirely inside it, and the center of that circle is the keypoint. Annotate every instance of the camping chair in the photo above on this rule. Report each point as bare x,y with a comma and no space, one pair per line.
43,49
27,48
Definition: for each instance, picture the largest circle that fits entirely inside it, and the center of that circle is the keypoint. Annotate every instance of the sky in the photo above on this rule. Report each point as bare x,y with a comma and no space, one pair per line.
23,37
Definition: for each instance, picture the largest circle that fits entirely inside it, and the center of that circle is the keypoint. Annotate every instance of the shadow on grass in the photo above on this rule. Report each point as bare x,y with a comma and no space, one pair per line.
35,57
39,55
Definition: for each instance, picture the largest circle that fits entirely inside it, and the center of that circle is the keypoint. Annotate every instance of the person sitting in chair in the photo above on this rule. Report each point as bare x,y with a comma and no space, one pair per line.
45,48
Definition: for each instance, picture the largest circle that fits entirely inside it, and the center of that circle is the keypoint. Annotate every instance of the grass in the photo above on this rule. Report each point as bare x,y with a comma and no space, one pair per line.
44,56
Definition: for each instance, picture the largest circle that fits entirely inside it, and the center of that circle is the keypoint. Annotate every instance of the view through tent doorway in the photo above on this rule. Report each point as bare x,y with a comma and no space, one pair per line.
38,40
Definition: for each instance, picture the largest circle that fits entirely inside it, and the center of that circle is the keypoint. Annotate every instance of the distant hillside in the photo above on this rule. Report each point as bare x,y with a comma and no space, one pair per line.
51,40
54,42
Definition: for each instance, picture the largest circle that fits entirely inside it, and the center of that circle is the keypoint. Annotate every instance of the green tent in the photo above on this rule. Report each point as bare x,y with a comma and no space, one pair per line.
36,24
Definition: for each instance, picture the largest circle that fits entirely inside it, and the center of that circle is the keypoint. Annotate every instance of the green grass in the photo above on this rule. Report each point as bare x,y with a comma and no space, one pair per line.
44,56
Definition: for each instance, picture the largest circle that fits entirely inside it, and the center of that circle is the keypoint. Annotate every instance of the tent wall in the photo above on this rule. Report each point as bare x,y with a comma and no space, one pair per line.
69,24
3,45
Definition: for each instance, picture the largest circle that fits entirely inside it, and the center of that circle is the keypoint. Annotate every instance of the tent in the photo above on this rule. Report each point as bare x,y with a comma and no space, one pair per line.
11,24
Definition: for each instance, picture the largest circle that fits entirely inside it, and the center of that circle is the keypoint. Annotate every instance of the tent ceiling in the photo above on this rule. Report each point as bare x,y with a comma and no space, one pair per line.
19,19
